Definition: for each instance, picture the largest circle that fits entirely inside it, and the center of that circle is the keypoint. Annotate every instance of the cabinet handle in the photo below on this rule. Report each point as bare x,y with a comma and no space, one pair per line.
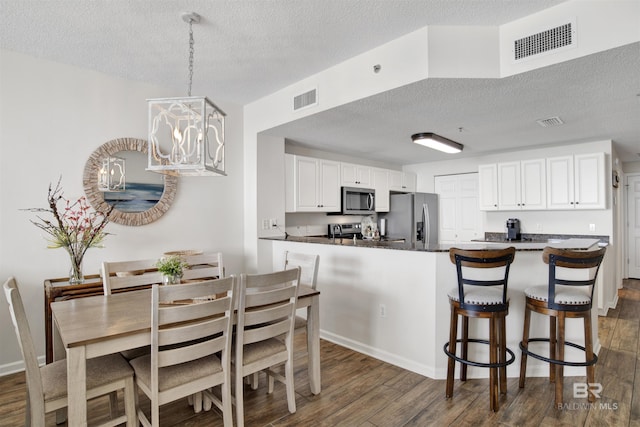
495,206
571,202
577,203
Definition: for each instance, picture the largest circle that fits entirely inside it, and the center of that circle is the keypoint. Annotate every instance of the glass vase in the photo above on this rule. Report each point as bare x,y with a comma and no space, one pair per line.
170,279
75,272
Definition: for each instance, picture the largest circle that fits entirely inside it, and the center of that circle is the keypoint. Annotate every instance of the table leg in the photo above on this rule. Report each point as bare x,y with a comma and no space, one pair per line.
313,343
77,386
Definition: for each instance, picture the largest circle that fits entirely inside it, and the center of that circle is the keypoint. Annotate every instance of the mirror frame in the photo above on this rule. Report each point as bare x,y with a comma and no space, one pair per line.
96,197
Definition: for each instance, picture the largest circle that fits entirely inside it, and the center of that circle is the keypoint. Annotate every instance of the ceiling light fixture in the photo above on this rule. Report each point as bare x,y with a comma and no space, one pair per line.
186,135
437,142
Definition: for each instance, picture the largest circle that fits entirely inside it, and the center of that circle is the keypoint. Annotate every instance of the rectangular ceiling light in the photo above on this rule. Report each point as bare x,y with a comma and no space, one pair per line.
437,142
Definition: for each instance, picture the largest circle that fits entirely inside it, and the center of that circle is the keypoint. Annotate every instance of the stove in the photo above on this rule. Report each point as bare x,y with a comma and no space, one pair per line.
345,231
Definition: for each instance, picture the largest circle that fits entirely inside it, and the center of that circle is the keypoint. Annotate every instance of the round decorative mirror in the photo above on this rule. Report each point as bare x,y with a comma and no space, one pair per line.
147,195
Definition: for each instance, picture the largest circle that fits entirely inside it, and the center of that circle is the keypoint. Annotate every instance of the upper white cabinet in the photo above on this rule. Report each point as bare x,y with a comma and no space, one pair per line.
521,185
402,181
312,185
488,187
380,181
576,182
356,175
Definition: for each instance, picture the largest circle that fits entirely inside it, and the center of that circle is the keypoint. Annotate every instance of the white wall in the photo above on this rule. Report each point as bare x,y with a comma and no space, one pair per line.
52,117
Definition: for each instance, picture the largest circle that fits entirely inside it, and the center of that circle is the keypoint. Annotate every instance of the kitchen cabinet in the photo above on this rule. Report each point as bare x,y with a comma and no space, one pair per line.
488,187
312,185
380,181
522,185
356,175
402,181
576,182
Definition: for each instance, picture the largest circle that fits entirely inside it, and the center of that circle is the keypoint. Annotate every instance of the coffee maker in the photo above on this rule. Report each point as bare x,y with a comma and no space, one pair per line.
513,229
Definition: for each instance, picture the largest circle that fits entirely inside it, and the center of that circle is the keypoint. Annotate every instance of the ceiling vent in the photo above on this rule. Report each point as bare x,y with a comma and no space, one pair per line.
562,36
551,121
306,99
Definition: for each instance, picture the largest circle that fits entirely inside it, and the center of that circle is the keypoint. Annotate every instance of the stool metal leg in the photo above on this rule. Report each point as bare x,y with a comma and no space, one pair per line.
525,344
451,363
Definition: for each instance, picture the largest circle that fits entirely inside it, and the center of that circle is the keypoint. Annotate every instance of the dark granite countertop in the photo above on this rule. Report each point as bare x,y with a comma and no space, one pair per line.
569,242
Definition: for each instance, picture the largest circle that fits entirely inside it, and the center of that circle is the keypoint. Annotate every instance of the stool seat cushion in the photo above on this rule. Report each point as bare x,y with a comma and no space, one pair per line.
569,295
478,295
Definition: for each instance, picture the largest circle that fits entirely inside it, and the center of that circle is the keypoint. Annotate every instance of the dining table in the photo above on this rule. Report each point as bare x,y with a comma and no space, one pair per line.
98,325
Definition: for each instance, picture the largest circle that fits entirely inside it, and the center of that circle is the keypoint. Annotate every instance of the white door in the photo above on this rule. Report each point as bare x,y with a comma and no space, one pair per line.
633,203
447,189
460,218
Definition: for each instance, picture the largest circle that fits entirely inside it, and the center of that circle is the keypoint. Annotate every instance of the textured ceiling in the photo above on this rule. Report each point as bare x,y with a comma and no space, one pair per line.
246,49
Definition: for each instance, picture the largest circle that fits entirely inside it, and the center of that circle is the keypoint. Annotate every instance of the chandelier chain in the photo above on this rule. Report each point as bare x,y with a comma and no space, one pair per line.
191,43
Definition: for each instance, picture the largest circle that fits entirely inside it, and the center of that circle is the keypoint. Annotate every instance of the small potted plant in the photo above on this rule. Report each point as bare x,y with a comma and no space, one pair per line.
171,268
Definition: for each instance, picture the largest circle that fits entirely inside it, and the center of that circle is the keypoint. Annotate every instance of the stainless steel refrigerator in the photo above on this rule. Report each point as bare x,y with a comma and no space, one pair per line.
413,217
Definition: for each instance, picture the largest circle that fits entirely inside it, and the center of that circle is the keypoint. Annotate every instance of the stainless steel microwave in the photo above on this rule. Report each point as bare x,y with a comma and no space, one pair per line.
358,201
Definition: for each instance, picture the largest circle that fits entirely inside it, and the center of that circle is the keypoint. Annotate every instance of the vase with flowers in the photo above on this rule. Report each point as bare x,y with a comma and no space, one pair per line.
75,227
171,268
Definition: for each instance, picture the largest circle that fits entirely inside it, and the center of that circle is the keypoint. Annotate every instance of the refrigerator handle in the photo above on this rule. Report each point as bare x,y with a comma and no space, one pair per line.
426,233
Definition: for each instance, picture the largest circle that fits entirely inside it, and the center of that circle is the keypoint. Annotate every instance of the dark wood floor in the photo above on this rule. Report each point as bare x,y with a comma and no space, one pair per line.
358,390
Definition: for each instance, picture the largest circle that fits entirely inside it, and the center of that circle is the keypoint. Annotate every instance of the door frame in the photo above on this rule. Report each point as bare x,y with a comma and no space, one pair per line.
625,256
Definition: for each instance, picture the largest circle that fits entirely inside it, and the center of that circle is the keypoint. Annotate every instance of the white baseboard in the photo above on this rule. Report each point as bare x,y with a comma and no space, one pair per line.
13,367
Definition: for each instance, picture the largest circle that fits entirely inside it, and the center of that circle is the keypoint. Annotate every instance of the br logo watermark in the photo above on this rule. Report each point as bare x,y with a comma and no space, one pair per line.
584,391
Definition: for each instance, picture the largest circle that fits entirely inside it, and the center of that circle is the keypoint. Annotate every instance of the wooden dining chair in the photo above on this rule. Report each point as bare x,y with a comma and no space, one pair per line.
47,384
266,311
308,264
119,276
190,323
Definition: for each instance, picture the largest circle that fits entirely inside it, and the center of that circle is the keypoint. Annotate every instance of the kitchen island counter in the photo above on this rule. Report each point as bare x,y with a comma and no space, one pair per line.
392,304
578,243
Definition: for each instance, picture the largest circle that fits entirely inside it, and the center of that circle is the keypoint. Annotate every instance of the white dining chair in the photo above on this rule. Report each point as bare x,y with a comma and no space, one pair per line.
308,264
266,311
47,384
190,323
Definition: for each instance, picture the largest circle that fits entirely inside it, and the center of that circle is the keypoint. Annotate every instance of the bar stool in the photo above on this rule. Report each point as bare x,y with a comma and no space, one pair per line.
481,293
569,294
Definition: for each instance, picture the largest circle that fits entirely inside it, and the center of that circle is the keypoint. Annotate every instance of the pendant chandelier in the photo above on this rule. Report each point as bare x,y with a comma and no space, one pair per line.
111,176
186,135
